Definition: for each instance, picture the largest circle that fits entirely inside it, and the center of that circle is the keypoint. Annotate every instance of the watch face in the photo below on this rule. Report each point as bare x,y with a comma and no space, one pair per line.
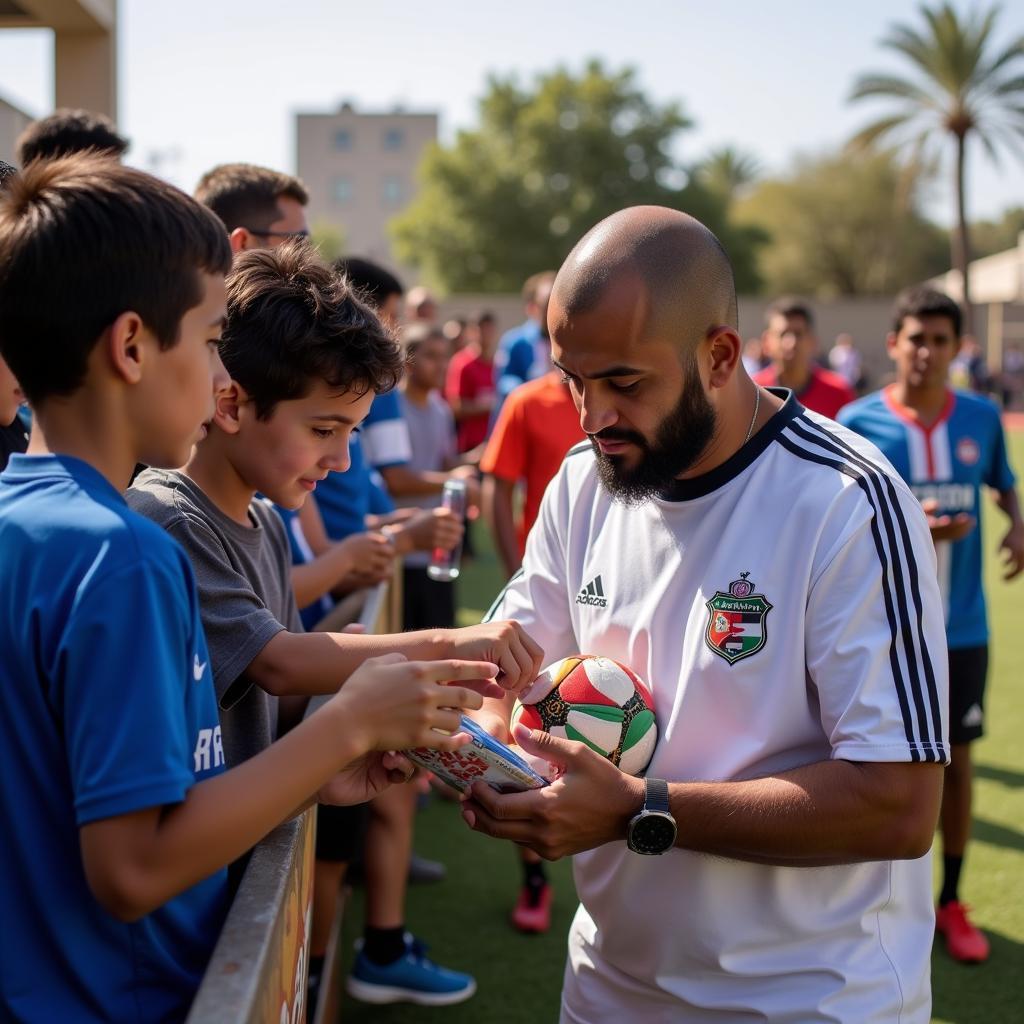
653,833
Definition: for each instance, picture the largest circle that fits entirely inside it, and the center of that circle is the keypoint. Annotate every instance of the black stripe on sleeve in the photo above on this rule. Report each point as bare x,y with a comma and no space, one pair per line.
880,477
868,477
501,597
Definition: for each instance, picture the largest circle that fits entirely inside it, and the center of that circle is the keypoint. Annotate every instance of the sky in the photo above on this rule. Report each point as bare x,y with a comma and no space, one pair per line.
208,81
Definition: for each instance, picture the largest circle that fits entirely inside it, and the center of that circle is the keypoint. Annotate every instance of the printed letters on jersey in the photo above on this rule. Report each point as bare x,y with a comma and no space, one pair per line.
593,593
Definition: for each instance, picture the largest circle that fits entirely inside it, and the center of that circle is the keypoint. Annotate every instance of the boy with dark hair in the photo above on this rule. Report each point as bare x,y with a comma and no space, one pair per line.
469,387
790,343
68,131
305,358
111,761
13,432
946,444
260,207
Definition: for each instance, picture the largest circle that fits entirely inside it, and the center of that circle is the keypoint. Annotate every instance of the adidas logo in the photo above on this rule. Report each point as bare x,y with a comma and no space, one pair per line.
974,716
593,594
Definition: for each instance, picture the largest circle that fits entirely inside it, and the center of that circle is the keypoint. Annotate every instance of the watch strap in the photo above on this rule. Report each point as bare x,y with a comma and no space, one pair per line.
657,796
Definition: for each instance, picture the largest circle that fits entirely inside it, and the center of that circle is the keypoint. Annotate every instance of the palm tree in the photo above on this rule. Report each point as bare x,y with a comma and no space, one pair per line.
963,86
728,171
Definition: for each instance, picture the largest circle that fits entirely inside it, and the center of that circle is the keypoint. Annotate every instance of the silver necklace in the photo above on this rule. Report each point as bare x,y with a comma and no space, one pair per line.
753,419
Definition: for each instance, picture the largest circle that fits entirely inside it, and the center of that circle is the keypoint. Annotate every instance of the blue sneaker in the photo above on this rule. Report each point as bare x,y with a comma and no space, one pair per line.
412,978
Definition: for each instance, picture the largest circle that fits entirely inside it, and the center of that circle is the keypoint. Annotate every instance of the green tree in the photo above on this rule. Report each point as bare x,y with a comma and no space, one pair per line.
992,236
329,239
844,224
546,162
963,86
729,172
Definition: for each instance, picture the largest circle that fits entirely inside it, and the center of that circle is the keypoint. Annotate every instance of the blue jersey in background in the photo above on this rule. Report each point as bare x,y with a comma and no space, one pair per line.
948,461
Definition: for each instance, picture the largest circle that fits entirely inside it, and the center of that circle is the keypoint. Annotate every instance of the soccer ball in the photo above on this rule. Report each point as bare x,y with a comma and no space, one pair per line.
597,701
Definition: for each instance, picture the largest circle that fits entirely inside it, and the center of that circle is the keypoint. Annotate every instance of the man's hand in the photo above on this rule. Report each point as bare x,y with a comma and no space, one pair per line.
506,644
589,805
1012,549
946,527
364,778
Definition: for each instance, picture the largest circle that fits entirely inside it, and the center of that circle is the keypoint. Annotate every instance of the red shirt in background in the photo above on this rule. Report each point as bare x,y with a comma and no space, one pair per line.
825,393
537,425
470,377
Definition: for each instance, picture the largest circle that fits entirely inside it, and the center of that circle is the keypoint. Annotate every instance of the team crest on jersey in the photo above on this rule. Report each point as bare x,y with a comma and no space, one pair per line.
736,626
967,451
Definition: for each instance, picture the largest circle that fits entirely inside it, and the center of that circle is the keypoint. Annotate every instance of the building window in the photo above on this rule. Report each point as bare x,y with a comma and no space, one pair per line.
394,138
391,190
343,140
342,189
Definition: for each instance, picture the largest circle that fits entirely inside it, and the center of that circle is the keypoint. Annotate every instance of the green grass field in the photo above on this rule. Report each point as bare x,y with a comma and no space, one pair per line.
519,978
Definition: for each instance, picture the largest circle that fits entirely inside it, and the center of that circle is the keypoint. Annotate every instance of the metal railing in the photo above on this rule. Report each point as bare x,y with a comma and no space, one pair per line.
259,967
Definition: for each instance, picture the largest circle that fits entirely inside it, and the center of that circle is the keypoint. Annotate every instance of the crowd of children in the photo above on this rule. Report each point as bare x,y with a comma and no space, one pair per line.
230,441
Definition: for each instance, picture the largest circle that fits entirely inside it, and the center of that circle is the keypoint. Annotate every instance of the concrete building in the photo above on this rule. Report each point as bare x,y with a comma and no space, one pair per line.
12,123
360,170
84,50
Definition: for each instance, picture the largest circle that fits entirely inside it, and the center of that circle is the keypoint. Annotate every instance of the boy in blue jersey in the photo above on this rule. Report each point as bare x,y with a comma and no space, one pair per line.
946,444
120,816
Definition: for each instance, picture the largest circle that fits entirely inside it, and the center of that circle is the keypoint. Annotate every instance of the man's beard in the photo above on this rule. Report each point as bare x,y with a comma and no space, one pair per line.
679,441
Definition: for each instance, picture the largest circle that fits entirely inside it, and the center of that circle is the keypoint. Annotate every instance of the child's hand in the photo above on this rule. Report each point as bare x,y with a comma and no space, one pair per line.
507,644
364,778
371,554
434,528
395,704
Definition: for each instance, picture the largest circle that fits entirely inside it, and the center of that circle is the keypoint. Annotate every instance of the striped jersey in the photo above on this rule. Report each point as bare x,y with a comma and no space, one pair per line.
947,461
784,610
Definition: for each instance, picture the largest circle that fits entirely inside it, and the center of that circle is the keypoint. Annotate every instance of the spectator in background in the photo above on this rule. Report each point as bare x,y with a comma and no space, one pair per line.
455,332
1011,381
13,429
524,352
538,423
753,356
791,345
68,131
968,370
426,603
844,359
260,207
470,383
420,306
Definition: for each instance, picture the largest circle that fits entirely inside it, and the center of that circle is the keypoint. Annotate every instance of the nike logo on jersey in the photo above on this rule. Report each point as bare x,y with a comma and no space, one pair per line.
974,716
593,593
198,668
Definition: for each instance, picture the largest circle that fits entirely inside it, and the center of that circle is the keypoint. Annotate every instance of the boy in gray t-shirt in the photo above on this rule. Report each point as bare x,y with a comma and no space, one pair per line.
305,358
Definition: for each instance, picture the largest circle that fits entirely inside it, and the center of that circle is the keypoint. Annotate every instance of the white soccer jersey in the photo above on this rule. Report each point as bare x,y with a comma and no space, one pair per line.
784,610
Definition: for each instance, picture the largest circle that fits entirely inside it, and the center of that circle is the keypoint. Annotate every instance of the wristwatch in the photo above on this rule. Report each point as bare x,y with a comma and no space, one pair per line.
653,830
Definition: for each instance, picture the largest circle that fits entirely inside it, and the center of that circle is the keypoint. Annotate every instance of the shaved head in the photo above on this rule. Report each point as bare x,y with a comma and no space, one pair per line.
674,266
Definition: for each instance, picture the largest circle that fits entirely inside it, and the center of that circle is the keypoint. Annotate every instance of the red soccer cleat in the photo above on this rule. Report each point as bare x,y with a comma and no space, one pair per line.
532,912
964,942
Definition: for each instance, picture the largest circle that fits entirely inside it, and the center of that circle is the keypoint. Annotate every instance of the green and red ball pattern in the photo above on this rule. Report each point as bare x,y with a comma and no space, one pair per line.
596,701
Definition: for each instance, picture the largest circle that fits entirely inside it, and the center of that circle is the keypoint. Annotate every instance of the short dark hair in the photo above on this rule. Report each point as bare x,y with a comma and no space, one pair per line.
6,173
83,240
374,282
485,317
416,335
787,306
245,195
293,320
921,300
68,131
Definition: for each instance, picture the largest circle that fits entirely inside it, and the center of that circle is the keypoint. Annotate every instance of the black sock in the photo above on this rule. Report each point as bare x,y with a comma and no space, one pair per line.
316,967
383,946
534,878
951,867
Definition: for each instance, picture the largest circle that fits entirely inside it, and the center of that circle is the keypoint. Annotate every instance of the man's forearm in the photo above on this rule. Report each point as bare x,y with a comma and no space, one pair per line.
497,500
831,812
1009,503
404,482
